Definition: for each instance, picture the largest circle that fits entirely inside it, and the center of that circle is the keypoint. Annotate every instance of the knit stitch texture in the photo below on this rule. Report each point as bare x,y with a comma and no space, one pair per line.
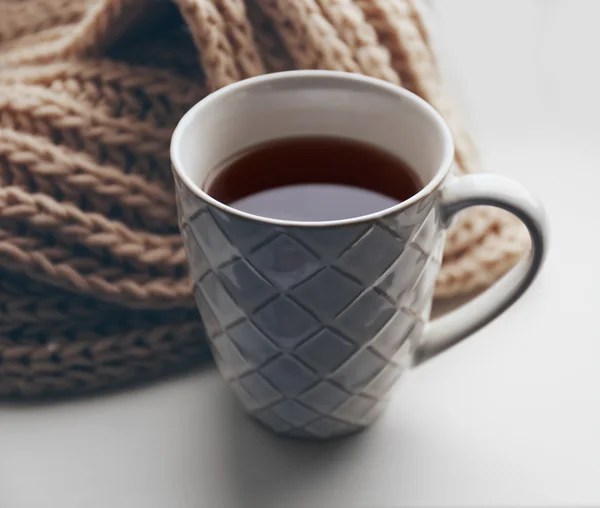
93,284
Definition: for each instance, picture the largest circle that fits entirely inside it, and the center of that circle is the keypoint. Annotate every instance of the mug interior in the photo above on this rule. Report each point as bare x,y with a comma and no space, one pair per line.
310,103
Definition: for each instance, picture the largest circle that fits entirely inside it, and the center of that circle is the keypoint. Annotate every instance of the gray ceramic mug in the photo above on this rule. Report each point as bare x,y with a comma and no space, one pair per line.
311,323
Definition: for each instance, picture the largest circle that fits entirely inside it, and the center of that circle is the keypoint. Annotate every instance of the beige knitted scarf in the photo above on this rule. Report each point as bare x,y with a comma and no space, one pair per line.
93,284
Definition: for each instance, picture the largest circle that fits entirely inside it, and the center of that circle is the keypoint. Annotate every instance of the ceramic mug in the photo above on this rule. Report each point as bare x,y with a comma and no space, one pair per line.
311,323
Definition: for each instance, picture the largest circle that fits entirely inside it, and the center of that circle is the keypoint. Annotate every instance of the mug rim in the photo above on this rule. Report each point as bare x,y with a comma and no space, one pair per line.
222,94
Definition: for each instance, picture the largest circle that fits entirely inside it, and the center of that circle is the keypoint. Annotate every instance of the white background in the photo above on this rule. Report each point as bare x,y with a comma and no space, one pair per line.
510,417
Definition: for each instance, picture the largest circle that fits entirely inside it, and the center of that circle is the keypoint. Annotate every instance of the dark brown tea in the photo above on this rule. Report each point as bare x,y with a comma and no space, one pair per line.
314,179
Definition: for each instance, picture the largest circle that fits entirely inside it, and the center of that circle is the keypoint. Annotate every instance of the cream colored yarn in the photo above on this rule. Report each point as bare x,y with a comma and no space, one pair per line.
93,285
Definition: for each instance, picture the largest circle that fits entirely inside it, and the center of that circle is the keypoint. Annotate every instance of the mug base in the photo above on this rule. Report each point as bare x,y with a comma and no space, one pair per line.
324,429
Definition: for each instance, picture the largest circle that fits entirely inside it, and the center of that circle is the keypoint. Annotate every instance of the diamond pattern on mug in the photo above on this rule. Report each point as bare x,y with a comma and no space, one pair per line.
329,243
209,320
371,255
293,413
400,231
423,206
285,322
220,302
412,261
364,317
325,351
404,356
222,367
410,217
382,383
284,262
245,398
426,312
214,244
197,263
355,408
271,420
260,389
426,232
402,274
256,348
422,291
189,204
245,234
316,293
327,427
289,375
437,252
415,214
248,289
264,295
391,337
372,414
299,434
358,370
234,364
323,397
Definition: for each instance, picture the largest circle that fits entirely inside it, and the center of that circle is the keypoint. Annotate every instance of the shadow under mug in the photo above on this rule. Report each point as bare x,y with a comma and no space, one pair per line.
311,323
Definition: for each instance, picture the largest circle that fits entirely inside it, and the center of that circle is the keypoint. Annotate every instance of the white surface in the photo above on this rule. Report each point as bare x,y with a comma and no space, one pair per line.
509,417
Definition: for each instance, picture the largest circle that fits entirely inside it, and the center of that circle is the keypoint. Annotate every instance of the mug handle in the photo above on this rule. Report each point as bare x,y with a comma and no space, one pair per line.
487,190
